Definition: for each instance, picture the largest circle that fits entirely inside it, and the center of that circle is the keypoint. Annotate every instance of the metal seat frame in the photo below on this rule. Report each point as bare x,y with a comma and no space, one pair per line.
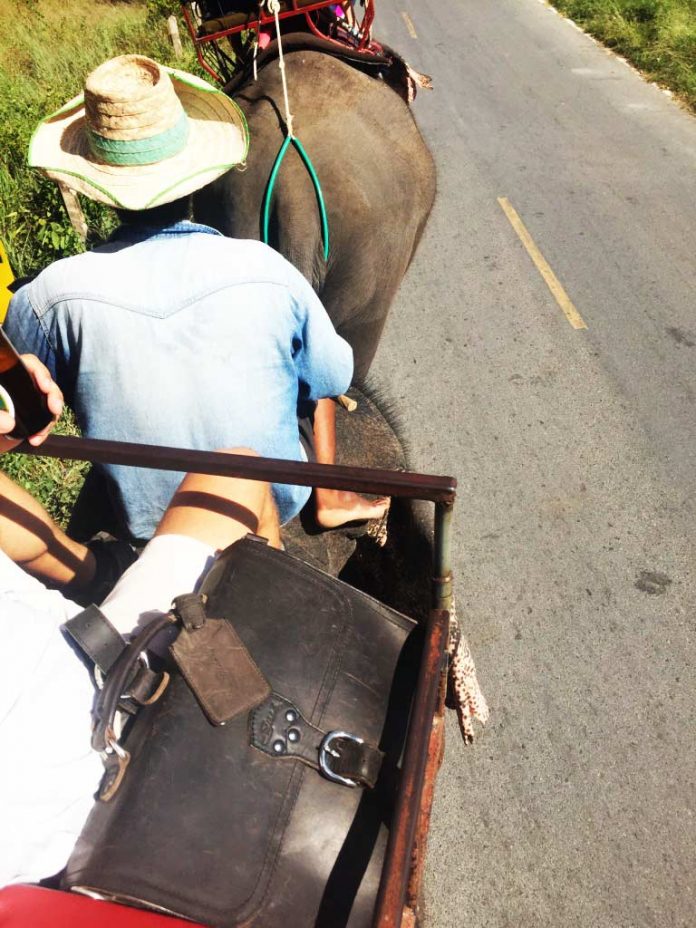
209,52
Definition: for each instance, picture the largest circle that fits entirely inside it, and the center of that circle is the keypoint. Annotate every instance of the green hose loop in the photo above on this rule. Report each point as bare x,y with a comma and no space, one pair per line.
317,187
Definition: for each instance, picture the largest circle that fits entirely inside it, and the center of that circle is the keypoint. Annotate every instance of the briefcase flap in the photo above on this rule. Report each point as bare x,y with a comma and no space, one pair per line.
205,824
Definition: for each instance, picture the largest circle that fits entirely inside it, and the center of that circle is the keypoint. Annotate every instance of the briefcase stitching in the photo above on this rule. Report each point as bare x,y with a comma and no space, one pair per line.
293,564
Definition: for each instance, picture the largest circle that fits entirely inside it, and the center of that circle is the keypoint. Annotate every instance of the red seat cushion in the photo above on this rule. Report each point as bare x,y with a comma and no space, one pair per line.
34,907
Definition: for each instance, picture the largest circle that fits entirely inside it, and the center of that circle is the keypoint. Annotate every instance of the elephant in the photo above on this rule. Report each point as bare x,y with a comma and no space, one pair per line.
377,177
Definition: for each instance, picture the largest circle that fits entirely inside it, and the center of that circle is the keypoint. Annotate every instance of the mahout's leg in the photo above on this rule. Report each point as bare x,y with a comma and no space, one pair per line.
337,507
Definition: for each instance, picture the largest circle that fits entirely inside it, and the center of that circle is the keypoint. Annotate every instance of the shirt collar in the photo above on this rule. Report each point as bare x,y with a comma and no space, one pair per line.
133,234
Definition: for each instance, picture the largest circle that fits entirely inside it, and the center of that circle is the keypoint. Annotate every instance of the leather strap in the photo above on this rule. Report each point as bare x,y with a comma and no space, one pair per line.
96,637
117,681
278,728
190,608
103,645
354,760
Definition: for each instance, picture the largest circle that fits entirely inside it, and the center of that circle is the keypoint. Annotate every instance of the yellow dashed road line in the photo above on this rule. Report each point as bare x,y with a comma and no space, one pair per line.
542,265
409,25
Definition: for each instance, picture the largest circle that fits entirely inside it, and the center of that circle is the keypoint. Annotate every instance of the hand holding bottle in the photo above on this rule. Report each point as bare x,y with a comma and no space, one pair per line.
51,401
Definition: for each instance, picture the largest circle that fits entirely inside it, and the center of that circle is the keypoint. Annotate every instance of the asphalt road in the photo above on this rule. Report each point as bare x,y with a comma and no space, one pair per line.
575,451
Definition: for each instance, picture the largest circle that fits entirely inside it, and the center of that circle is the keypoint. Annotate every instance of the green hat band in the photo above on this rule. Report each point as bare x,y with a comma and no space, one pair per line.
140,151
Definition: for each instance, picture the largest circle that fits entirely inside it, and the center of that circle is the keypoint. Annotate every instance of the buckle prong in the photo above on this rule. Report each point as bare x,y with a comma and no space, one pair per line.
326,749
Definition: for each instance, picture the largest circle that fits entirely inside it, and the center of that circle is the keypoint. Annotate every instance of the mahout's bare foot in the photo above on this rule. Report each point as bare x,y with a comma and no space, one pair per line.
339,507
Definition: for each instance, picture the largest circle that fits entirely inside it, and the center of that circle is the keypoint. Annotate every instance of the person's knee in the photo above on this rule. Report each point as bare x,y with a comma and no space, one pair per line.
248,452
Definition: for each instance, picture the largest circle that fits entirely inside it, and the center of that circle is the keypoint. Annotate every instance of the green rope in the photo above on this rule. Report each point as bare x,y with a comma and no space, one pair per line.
317,187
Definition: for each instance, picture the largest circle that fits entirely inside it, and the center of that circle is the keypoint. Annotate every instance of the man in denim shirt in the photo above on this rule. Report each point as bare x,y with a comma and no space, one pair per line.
171,333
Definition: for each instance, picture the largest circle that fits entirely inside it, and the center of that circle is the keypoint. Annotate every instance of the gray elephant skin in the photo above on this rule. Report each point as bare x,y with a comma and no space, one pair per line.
377,177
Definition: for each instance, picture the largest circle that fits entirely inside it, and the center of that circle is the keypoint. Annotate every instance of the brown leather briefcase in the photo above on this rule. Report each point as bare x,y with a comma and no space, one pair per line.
277,818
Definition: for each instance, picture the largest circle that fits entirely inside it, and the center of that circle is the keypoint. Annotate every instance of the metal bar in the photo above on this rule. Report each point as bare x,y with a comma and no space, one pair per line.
263,19
199,53
442,556
397,863
275,470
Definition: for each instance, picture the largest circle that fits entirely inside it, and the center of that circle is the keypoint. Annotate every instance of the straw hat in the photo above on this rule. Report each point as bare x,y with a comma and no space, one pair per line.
140,135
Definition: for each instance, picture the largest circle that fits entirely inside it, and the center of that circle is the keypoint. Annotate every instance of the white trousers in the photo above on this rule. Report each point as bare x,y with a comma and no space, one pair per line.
48,772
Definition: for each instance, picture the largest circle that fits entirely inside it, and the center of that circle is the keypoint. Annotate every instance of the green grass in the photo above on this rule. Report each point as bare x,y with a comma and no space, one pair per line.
657,36
56,483
47,47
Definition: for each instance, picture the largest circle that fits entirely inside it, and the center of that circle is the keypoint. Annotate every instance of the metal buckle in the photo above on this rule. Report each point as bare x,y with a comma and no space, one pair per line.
325,750
127,699
115,774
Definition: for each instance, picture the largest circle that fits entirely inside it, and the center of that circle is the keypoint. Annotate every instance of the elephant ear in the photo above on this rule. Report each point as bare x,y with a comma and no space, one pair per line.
402,78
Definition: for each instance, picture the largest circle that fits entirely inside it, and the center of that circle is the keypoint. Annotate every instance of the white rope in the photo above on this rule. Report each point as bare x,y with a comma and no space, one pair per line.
256,43
274,7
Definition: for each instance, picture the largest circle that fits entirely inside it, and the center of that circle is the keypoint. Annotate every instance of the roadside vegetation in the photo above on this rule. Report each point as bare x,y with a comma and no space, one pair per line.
657,36
46,49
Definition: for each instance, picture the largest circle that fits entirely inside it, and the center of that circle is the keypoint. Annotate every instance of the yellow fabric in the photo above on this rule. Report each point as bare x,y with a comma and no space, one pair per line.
6,278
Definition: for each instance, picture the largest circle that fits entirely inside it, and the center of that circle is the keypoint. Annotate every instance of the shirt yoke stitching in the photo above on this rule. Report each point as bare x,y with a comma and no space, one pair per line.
43,326
84,295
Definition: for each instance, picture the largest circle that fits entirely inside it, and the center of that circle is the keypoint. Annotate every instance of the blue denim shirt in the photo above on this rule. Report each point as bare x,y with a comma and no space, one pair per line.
181,336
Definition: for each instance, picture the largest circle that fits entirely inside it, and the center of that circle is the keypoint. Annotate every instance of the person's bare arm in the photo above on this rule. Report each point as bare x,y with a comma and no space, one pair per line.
28,535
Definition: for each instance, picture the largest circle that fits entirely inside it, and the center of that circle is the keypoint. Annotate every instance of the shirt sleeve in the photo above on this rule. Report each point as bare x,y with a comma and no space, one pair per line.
323,360
25,330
